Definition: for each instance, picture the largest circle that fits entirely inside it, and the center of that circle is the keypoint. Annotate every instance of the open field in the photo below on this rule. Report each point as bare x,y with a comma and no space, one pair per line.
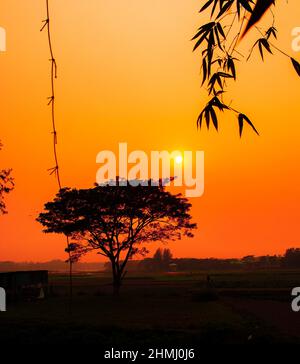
160,309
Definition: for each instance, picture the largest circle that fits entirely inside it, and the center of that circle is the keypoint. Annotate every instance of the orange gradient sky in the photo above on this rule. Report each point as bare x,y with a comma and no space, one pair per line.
127,74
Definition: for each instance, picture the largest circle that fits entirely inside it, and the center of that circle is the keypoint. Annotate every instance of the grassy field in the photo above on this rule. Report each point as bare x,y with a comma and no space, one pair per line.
160,309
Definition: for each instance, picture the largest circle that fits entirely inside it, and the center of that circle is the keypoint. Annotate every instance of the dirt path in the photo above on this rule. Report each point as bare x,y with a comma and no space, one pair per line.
273,313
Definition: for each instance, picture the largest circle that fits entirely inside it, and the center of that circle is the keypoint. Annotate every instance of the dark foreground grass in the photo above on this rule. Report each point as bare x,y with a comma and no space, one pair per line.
148,313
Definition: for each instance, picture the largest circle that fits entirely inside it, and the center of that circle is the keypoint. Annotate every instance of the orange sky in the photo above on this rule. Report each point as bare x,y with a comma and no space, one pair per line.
127,74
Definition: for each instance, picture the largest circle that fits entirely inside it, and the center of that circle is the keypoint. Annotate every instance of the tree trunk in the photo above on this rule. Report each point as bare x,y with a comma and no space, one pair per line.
70,286
117,278
117,285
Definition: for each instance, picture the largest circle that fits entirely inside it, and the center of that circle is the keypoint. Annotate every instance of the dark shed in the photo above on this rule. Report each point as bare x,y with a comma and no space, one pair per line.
25,284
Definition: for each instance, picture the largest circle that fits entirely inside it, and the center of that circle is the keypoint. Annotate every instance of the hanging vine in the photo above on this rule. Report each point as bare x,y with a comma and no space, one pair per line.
53,75
55,170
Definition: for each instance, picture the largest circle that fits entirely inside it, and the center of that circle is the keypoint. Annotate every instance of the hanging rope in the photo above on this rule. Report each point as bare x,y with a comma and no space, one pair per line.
55,170
51,102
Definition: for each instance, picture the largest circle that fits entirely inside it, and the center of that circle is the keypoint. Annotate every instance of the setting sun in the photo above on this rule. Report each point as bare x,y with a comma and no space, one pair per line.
179,159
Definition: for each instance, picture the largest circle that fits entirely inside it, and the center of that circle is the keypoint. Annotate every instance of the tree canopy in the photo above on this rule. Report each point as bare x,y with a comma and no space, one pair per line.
116,221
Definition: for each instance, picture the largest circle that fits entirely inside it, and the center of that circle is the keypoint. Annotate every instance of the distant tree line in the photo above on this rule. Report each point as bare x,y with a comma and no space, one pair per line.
291,258
52,266
163,261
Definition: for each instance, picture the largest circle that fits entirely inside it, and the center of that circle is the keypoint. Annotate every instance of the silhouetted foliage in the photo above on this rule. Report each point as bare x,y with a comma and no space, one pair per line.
6,185
161,260
117,220
157,257
218,40
249,262
291,258
167,256
259,10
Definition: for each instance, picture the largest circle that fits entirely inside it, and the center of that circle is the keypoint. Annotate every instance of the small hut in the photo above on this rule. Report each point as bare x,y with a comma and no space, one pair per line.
28,285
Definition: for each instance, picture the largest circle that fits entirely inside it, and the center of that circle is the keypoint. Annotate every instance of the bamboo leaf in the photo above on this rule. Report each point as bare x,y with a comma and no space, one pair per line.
259,10
214,118
241,119
206,5
296,66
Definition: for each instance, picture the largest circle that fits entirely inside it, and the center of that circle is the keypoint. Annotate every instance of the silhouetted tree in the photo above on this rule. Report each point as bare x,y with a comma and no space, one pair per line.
157,257
167,256
6,185
161,259
291,258
117,220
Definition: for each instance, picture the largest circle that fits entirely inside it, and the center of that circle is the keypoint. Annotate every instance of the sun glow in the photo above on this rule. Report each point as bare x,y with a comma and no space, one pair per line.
179,159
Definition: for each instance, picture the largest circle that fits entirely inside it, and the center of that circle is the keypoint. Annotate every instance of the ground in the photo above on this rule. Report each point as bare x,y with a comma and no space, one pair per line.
160,310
